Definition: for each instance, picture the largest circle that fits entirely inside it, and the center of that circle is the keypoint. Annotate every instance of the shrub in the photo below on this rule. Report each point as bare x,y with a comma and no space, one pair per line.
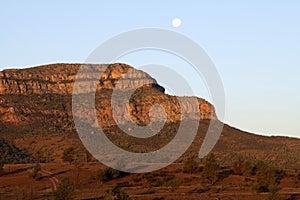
65,190
1,166
266,177
137,178
297,179
10,154
174,184
191,165
273,190
69,155
108,174
39,156
116,193
210,170
89,156
242,167
168,177
158,182
37,168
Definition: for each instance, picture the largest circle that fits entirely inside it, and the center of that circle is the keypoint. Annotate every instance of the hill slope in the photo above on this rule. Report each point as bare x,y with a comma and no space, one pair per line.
36,105
11,154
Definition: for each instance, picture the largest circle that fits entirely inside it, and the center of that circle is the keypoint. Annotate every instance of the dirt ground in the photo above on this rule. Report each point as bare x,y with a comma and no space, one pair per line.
167,183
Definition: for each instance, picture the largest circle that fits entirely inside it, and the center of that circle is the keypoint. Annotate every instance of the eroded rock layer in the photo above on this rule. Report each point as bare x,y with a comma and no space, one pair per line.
42,96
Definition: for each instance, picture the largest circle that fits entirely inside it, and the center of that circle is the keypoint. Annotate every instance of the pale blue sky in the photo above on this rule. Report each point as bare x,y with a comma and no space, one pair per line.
255,46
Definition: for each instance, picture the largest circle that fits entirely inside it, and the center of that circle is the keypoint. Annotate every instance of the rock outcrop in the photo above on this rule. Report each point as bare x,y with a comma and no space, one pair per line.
44,94
59,78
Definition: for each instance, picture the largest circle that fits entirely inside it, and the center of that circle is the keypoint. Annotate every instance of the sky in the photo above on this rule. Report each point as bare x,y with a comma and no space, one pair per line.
255,46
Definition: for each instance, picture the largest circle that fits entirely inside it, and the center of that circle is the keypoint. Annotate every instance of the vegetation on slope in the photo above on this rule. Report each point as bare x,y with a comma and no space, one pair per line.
10,154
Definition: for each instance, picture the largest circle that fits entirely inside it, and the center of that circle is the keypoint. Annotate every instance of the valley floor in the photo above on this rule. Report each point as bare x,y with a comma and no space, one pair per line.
168,183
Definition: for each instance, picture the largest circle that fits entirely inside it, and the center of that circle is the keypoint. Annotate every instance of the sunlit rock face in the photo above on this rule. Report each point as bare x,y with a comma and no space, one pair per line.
30,95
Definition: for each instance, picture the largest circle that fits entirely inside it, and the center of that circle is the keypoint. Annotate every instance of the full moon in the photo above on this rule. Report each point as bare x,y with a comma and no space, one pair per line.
176,22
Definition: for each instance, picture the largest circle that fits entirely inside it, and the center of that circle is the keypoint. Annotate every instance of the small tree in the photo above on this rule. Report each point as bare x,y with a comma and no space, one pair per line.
210,171
191,165
89,156
37,168
174,184
39,156
266,177
116,193
242,167
69,155
1,166
108,174
297,179
73,157
273,190
65,190
78,163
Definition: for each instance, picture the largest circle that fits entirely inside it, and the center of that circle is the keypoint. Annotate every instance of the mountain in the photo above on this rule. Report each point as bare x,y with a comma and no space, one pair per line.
36,113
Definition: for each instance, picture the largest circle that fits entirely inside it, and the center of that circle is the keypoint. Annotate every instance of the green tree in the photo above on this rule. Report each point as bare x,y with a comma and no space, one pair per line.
69,155
210,170
65,190
191,165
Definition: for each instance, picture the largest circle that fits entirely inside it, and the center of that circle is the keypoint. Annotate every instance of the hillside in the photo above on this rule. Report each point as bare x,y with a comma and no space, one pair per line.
11,154
36,114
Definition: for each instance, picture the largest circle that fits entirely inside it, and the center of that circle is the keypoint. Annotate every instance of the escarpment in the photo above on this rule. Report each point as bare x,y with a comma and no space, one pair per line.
59,78
40,98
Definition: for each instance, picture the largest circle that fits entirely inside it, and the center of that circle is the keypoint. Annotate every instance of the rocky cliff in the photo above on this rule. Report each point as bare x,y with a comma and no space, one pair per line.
41,96
59,78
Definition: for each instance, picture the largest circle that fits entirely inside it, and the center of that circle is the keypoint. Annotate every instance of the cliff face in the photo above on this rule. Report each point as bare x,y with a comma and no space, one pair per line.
59,78
42,97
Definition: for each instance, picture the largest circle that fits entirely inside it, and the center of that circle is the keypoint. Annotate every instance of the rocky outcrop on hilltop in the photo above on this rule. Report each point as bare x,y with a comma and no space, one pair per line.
59,78
40,98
